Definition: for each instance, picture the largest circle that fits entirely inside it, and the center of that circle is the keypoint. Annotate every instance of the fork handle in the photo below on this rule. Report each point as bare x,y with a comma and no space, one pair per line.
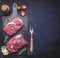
31,45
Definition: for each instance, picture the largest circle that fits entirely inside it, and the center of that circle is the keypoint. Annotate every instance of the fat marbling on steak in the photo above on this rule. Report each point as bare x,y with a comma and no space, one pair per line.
16,43
13,26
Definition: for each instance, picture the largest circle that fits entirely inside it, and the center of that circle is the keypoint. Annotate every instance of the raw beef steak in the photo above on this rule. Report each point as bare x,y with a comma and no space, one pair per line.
13,26
16,43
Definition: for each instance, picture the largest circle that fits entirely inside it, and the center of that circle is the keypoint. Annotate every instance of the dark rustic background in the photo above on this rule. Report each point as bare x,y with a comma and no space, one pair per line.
44,15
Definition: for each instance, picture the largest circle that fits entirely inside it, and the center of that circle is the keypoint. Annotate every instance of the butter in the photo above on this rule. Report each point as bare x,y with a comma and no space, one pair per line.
4,50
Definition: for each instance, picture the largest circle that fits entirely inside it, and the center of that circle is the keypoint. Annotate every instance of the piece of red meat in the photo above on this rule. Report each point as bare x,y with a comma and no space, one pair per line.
13,26
16,43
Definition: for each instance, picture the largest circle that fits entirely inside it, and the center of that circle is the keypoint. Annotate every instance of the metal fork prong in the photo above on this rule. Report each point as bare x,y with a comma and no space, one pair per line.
31,30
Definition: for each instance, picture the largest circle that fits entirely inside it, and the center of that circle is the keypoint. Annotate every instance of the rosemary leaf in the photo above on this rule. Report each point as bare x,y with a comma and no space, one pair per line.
22,51
6,21
5,39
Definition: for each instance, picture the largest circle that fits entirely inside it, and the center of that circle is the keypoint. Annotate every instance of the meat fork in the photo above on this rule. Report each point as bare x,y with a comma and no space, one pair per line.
31,40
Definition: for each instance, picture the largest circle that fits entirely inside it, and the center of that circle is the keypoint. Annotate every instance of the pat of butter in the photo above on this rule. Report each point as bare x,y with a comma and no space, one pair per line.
4,50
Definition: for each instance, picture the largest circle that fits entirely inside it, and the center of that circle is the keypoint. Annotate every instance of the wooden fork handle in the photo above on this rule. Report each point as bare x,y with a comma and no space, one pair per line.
31,45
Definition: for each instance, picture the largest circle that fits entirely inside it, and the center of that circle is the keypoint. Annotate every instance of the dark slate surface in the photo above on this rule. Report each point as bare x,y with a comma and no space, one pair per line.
44,16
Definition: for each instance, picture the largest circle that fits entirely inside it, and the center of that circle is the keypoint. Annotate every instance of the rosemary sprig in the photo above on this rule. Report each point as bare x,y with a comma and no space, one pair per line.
6,21
23,49
5,39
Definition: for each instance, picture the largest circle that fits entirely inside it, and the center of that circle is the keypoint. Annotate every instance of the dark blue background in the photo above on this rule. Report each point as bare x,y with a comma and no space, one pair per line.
44,16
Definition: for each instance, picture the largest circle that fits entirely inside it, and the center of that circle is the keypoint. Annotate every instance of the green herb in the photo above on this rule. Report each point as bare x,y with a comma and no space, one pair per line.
22,51
5,39
6,21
